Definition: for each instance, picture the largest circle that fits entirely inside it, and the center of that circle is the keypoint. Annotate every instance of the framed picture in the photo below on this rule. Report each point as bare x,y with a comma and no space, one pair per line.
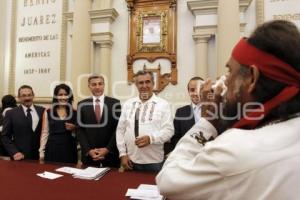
151,30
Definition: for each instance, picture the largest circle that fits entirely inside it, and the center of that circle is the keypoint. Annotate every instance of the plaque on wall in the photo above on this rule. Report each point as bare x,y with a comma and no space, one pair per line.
39,46
153,26
278,10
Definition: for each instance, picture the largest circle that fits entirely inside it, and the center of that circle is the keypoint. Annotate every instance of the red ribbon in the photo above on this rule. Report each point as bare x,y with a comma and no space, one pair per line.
273,68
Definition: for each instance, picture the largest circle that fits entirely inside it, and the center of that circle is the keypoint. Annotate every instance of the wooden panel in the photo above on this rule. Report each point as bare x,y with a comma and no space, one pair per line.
153,27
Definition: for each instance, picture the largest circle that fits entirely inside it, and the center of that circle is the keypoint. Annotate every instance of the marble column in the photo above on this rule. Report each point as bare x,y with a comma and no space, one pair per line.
103,14
202,55
228,31
105,64
81,48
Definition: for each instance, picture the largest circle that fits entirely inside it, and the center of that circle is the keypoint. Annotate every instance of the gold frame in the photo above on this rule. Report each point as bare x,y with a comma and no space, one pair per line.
166,10
152,47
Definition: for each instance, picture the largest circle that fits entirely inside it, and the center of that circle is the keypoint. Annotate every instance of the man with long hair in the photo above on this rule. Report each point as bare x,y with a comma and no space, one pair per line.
252,150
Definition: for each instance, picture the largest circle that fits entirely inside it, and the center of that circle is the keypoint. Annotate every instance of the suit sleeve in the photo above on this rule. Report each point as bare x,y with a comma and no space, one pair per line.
7,135
116,111
177,129
81,133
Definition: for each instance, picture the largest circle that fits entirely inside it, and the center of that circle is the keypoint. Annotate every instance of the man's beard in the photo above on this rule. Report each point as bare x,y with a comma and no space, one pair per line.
228,118
230,112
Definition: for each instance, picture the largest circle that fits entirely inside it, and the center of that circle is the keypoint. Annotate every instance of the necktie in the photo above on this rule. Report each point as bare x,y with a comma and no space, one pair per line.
136,122
29,117
98,111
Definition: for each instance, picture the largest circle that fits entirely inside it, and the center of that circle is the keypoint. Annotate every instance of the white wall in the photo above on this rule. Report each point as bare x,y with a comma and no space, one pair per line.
2,50
250,18
5,48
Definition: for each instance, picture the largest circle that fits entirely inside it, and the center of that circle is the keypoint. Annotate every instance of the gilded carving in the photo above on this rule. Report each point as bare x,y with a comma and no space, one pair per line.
163,30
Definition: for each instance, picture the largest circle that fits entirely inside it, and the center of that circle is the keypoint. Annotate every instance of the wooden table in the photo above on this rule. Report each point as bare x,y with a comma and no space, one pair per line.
18,181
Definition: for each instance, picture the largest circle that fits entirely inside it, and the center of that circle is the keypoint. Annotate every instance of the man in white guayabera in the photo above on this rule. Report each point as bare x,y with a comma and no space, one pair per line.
144,126
252,150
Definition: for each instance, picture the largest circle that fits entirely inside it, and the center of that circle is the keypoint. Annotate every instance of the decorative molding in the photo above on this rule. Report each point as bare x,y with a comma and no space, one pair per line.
201,38
243,27
203,7
205,30
208,7
104,15
69,16
43,100
103,39
244,4
133,4
260,13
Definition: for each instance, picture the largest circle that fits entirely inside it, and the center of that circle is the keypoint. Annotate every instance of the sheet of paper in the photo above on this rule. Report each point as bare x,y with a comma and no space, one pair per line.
148,187
49,175
145,192
142,193
145,198
91,173
69,170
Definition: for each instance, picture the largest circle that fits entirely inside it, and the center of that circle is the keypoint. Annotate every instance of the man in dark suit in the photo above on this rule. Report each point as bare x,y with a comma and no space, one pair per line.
22,127
186,116
98,119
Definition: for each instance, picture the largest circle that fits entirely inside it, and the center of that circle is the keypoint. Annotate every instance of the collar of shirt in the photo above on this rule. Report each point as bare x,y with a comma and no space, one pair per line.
194,106
101,98
152,99
25,109
34,115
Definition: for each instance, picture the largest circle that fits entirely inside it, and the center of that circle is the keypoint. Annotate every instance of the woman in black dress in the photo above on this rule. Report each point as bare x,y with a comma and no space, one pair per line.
8,102
58,142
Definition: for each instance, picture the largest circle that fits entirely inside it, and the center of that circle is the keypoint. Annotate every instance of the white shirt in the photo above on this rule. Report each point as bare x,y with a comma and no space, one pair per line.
197,112
101,98
260,164
35,117
155,120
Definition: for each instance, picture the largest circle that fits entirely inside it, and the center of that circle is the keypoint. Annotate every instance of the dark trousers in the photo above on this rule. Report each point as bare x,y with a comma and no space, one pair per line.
151,167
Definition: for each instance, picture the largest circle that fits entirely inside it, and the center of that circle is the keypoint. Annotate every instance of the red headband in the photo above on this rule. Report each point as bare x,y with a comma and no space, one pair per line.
273,68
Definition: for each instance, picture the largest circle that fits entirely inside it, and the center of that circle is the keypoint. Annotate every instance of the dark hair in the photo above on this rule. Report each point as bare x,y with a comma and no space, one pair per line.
8,101
281,39
95,76
144,72
55,94
195,78
24,87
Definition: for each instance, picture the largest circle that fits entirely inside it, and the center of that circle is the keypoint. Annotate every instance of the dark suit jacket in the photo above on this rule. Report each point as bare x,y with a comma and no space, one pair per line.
183,121
104,135
17,135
